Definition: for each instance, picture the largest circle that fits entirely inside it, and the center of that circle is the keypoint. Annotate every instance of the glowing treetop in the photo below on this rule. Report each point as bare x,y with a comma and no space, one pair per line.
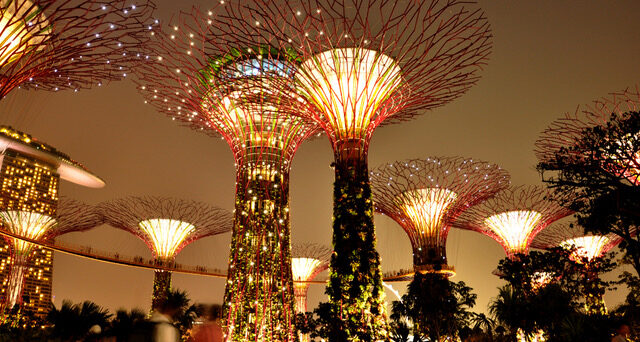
205,79
425,196
375,61
514,216
307,260
587,246
70,44
166,225
71,216
623,160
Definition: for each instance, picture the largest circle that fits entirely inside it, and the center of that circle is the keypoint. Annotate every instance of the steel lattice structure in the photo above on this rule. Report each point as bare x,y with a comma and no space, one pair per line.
71,216
515,216
562,135
307,261
166,226
206,80
70,44
425,196
588,246
368,63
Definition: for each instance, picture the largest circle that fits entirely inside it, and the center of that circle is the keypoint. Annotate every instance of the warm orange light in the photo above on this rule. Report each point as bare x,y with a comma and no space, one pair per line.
514,228
350,86
587,247
426,208
27,224
17,36
166,235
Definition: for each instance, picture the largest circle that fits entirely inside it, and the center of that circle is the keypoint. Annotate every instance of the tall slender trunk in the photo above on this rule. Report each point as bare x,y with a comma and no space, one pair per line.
259,300
355,281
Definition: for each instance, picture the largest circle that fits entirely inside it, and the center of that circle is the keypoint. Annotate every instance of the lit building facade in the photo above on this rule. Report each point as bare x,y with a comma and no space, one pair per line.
30,173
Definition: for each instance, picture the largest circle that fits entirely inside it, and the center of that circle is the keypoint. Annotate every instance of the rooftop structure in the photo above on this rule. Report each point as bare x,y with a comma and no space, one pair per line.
361,68
165,225
70,44
514,216
425,196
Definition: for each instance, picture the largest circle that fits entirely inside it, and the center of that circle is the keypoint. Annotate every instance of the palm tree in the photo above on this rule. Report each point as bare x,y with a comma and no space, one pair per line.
73,321
484,323
124,323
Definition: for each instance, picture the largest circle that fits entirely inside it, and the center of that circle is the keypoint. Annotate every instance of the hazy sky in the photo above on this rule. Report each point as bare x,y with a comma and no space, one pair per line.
548,57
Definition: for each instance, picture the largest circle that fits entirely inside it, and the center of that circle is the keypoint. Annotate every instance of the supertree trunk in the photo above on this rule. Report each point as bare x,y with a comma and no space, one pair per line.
259,300
16,281
594,302
161,287
355,280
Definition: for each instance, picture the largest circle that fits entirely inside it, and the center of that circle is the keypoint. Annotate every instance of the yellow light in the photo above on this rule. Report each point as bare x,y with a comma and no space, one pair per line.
27,224
17,36
304,268
514,228
587,247
166,235
350,86
426,208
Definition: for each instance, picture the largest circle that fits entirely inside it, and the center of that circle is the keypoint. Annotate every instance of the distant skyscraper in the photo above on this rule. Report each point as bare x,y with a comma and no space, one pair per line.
30,173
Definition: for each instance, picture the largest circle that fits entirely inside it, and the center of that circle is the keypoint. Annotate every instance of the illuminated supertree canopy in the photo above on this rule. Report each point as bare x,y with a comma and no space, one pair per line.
307,261
204,79
366,63
166,226
621,157
71,216
70,44
425,196
515,216
587,246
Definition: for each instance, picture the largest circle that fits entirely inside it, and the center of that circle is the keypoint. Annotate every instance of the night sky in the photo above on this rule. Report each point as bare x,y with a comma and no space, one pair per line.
548,57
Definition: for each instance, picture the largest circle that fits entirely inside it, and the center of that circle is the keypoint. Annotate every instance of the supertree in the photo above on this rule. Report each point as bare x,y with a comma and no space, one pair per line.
307,260
70,44
561,140
425,196
211,83
166,226
365,63
71,216
30,173
587,249
515,216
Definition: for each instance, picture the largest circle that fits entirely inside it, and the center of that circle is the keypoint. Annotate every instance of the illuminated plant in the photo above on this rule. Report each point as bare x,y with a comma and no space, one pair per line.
586,248
166,226
70,44
211,83
71,216
307,260
425,196
560,142
368,63
514,216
